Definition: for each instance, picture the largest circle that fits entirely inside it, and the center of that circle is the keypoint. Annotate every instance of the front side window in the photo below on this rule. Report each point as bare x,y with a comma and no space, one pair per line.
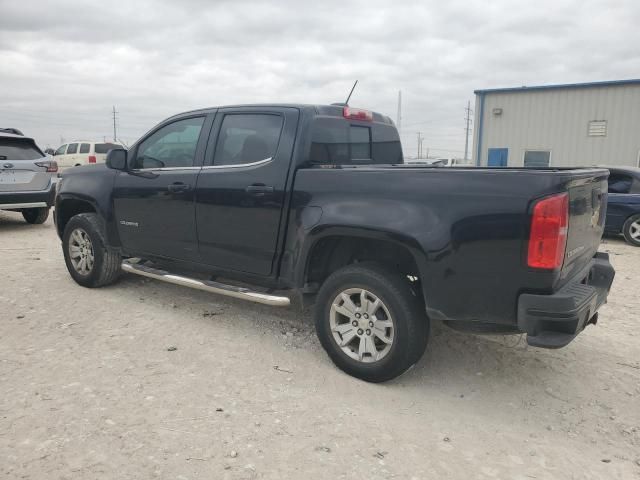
61,150
84,148
172,146
536,158
73,148
247,138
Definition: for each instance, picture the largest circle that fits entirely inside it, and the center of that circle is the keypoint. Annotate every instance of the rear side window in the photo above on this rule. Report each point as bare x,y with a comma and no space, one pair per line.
18,149
72,148
61,150
247,138
335,141
84,148
620,183
105,147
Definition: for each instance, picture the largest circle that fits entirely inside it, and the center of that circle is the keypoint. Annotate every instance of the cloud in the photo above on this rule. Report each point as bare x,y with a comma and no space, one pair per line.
64,64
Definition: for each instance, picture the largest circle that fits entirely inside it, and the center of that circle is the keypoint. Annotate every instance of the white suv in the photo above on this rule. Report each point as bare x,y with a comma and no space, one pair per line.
82,153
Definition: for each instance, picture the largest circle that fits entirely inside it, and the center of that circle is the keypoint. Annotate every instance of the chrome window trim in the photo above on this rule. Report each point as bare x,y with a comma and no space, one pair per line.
206,167
163,169
239,165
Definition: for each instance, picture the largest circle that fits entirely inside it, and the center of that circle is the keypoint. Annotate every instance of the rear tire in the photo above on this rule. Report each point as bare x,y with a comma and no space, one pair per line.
36,216
631,230
390,349
89,261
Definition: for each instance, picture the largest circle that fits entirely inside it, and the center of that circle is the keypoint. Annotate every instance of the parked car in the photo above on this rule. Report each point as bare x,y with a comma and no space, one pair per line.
314,201
623,211
27,178
83,153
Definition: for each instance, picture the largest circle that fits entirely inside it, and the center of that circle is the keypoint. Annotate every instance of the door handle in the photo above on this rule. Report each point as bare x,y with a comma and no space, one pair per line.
259,189
179,187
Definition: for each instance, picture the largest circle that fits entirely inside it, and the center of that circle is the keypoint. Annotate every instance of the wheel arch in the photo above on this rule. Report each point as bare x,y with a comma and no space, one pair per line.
330,248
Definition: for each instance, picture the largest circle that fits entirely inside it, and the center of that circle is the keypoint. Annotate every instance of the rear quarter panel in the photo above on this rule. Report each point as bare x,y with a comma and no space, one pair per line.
467,229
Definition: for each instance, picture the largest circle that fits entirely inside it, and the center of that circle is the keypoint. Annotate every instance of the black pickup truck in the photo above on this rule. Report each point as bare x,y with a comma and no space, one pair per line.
277,202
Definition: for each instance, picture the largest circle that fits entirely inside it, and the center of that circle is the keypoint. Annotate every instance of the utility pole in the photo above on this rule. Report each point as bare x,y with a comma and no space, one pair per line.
420,140
467,129
399,118
115,118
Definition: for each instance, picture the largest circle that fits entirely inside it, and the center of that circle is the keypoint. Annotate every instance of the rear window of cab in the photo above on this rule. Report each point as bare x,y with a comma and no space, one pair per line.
337,141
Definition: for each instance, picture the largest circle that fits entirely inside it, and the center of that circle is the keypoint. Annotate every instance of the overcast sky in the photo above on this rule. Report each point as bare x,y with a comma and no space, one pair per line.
63,64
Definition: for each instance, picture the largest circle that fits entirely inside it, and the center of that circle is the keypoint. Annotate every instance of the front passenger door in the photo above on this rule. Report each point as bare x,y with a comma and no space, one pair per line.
154,199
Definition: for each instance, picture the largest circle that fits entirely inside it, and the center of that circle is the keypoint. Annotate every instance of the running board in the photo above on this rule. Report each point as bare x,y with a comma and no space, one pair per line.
207,286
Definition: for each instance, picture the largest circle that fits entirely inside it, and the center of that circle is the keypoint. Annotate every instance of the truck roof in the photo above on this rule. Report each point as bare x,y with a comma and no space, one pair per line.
335,110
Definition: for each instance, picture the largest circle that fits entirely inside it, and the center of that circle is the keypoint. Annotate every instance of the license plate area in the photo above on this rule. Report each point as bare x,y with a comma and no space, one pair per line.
15,176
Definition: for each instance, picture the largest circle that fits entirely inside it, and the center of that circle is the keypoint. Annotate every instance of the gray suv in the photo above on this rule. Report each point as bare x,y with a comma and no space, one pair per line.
27,177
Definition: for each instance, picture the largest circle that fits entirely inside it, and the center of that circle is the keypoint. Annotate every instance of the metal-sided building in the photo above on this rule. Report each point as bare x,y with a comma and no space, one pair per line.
580,124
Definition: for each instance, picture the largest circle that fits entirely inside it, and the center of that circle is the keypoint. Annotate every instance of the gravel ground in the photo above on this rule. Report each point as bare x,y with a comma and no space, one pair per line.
147,380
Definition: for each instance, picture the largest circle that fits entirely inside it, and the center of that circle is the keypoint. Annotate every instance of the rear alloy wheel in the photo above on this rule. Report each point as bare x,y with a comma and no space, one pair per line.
36,216
631,230
371,322
361,325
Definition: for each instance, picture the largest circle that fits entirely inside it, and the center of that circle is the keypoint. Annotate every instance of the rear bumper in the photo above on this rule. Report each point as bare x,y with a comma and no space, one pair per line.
552,321
37,199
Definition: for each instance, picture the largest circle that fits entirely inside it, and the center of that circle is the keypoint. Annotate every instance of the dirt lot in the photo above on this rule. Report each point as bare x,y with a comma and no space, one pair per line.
91,388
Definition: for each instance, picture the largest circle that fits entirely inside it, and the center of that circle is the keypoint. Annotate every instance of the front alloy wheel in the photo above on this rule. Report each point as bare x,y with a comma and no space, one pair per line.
81,251
361,325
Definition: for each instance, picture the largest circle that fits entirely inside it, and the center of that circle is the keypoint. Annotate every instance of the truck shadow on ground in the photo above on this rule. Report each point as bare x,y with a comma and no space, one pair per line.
451,357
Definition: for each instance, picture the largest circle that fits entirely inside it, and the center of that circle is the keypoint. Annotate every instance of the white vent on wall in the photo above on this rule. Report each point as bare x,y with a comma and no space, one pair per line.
597,128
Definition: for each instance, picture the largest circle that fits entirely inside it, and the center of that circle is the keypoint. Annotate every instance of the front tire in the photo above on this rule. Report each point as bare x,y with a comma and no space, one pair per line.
631,230
36,216
89,261
370,322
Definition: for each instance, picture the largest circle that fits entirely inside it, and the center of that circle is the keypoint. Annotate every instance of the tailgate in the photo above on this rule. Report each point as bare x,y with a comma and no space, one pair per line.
587,211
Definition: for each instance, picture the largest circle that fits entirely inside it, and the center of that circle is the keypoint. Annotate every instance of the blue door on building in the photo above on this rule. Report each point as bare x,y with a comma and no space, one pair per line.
498,157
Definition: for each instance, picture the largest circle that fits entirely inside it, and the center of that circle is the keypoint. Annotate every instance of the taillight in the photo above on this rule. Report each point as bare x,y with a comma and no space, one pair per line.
357,114
548,237
92,159
52,165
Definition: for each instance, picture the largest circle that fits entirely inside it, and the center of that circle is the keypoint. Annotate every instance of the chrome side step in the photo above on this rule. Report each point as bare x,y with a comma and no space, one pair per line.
206,285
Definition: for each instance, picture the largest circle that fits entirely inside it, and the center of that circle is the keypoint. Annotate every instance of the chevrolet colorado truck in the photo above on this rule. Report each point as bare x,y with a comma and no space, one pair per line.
273,203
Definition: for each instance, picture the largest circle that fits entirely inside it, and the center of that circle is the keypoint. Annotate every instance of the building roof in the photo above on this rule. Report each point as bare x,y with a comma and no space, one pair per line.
610,83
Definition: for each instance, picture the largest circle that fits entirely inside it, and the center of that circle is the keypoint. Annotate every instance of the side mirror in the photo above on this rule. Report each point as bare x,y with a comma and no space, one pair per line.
117,159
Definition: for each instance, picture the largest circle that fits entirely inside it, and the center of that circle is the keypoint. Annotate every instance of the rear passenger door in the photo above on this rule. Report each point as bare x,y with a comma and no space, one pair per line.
72,155
241,189
83,154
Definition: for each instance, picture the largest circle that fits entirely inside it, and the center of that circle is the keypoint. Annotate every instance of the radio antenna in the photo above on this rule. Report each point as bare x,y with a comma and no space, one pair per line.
351,92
